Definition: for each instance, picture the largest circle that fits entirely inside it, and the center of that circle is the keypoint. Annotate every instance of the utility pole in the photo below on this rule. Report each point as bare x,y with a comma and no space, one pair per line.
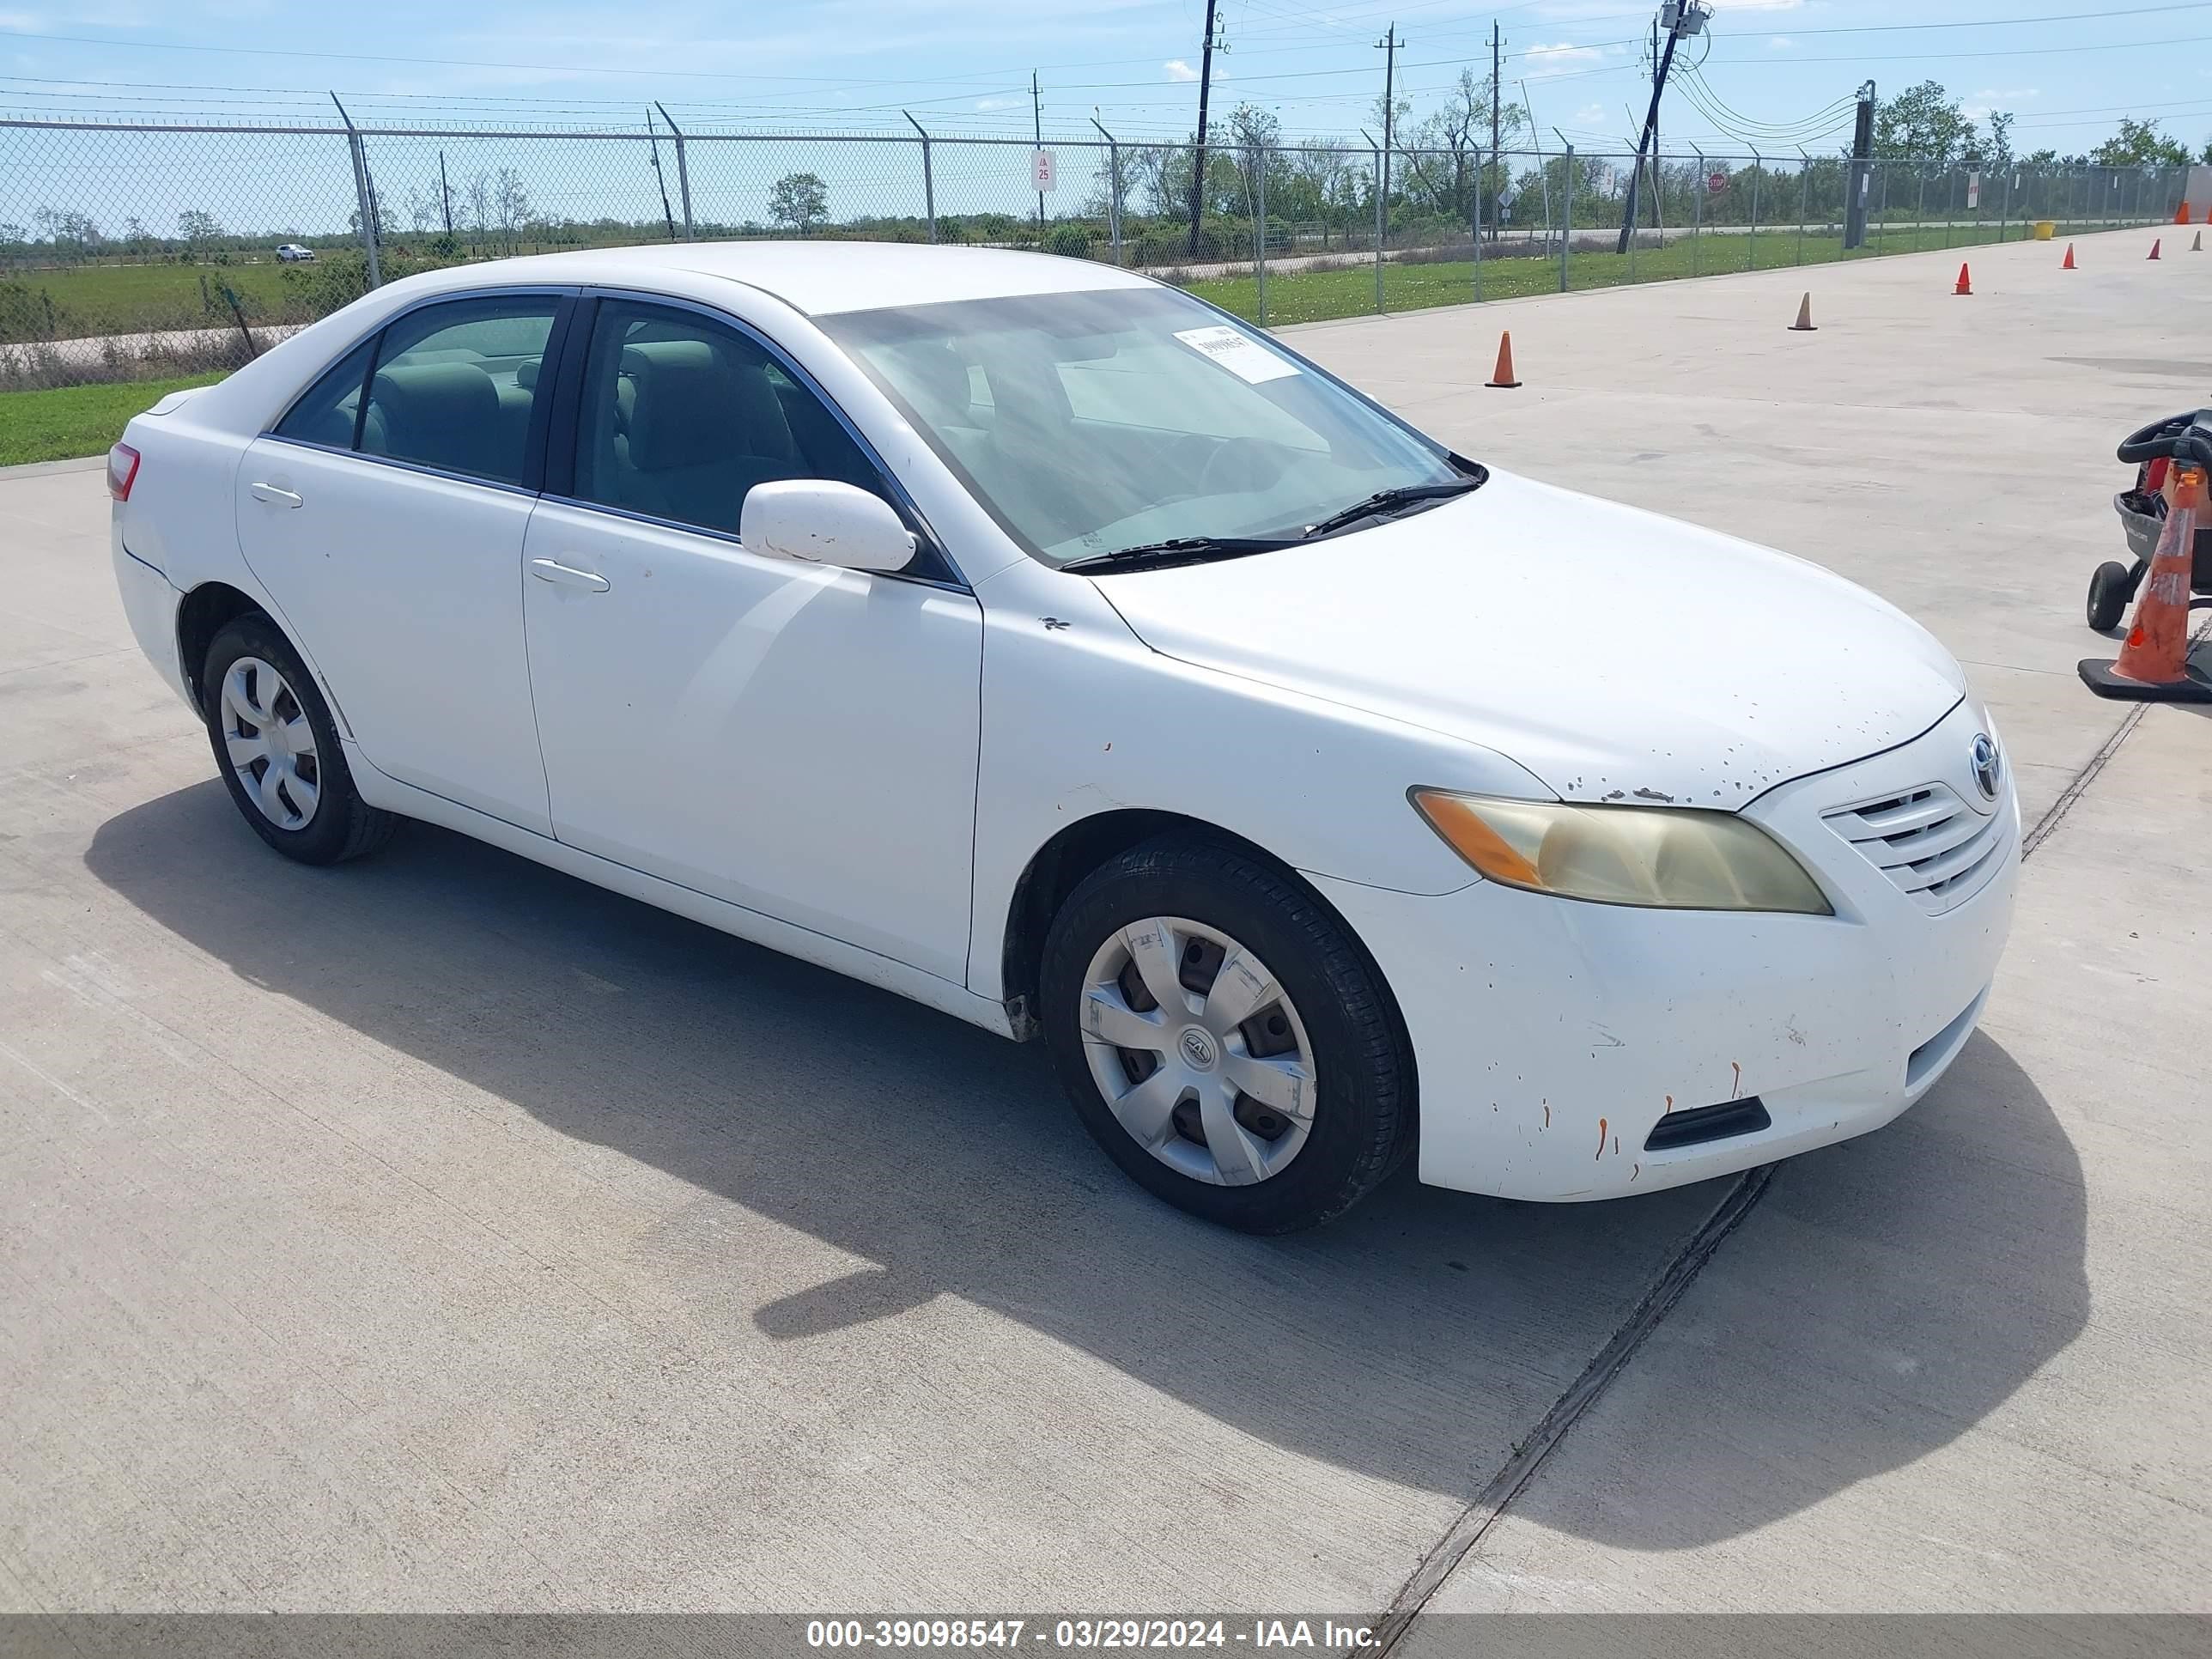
1680,17
1658,194
1387,45
1198,160
1036,120
1655,75
1495,42
1855,197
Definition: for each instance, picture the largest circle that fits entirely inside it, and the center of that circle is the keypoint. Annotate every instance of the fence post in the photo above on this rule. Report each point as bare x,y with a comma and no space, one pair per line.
366,207
1567,234
1112,189
1382,212
928,177
1636,165
1544,180
2004,208
1804,197
682,171
1474,229
1696,208
1259,226
1758,172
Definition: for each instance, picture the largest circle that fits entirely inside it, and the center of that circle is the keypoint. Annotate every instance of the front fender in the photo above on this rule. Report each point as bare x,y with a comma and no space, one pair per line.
1080,717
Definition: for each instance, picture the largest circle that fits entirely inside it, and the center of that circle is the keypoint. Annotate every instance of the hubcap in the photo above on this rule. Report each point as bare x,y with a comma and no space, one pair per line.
271,743
1198,1051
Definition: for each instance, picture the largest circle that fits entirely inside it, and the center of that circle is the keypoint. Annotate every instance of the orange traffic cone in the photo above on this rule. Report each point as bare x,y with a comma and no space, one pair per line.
1804,323
1502,376
1966,282
2154,247
2181,214
2067,264
2154,665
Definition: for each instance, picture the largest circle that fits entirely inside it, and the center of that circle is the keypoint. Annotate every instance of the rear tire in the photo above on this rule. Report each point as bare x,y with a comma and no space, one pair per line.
2109,591
277,748
1262,988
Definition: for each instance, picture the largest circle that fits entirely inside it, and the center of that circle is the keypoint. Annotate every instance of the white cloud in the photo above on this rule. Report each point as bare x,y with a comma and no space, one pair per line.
1178,71
1556,59
985,104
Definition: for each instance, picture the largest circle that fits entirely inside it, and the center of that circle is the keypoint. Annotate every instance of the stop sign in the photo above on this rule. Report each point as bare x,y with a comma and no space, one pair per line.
1715,184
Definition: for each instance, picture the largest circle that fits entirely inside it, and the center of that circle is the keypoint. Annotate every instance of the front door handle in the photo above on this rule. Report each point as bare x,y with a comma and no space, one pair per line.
274,496
568,575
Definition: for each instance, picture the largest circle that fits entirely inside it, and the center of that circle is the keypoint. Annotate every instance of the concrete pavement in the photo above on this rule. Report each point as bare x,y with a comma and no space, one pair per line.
438,1232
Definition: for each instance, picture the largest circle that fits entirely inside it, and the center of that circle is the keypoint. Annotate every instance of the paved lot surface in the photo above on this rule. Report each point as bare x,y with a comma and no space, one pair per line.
439,1232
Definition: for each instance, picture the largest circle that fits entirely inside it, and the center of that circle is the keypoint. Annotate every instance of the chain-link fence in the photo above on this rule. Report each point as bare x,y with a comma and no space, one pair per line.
132,250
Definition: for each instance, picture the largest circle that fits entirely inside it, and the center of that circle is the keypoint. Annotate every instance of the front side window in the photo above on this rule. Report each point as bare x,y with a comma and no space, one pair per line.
456,385
1092,424
682,415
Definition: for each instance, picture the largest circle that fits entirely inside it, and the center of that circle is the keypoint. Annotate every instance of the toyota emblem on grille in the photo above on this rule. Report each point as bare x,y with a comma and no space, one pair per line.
1986,764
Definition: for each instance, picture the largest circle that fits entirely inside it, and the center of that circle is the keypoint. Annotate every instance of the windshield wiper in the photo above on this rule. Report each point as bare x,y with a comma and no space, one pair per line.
1192,550
1388,500
1184,550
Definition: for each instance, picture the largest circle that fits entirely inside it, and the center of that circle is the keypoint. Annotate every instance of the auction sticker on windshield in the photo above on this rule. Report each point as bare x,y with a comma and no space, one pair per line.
1240,354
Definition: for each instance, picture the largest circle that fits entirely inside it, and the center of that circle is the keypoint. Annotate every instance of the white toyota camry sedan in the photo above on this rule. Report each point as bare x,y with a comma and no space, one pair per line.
1037,642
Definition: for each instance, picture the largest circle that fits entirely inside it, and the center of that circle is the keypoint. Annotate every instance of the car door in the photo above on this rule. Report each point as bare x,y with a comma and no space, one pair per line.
797,739
386,513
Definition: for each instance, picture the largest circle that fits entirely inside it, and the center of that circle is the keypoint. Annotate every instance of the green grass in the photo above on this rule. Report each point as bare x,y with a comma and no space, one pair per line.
98,299
76,420
1313,296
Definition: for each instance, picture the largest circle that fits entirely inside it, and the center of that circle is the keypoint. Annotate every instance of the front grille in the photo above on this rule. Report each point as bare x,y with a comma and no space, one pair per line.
1929,841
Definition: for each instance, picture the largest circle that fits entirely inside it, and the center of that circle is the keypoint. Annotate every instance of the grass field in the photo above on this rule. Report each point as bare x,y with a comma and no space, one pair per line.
1315,297
91,299
76,420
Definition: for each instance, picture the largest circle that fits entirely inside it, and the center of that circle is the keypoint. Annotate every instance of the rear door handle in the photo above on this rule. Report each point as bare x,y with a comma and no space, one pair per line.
568,575
274,496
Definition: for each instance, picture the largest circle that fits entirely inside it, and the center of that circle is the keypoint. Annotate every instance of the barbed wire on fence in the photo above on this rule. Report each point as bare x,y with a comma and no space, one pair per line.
138,232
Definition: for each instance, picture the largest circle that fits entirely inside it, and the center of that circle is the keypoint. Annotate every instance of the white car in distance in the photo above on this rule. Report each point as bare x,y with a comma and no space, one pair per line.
1033,640
292,253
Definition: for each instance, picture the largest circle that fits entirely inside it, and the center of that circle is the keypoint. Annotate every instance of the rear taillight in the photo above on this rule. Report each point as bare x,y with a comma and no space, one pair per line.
122,471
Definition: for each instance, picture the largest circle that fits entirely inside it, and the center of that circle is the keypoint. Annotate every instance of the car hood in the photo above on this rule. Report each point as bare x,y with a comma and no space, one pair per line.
1615,654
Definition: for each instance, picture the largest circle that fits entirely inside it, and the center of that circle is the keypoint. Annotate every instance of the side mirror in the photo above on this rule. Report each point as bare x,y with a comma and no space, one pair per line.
820,521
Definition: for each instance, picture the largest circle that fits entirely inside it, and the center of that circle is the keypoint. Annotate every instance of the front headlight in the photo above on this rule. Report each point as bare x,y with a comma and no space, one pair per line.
1668,858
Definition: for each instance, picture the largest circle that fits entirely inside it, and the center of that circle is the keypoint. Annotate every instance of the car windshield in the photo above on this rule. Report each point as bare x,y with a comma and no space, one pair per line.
1089,423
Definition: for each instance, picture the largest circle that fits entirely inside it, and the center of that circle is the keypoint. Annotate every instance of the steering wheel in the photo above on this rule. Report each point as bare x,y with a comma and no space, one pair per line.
2184,437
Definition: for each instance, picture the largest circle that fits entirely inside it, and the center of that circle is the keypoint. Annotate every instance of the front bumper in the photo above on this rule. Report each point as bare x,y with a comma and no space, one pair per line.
1551,1036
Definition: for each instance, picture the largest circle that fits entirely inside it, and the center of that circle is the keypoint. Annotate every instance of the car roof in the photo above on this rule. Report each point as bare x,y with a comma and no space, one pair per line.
818,278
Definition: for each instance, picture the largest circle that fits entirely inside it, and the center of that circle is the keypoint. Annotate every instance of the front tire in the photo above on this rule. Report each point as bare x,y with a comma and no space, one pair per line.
1224,1038
278,748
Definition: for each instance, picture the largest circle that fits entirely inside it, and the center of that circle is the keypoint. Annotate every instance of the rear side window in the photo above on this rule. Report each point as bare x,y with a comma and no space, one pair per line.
455,385
328,413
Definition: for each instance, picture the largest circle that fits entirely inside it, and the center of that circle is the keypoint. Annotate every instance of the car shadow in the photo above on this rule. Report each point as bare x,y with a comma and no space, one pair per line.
1415,1341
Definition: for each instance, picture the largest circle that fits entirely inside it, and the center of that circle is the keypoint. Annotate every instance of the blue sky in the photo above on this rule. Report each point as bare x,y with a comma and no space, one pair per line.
963,65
